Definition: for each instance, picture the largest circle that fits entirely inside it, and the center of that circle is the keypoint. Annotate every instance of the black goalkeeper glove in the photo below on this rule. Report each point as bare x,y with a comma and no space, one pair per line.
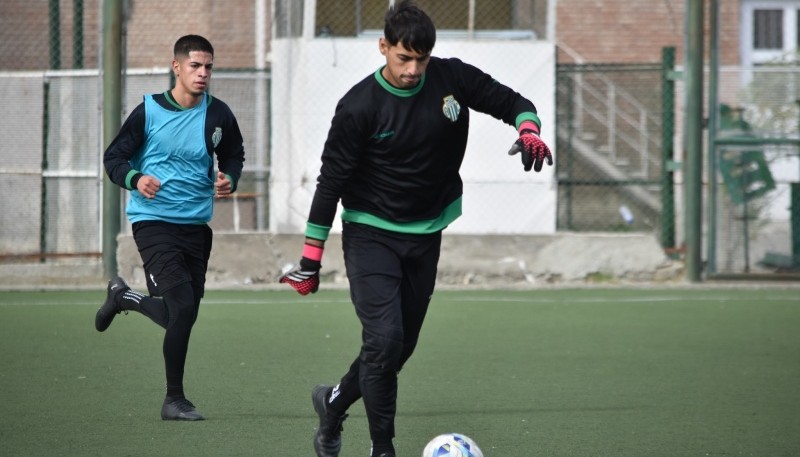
534,151
304,277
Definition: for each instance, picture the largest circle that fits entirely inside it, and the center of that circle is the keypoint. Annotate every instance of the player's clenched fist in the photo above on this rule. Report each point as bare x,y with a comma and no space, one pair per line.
304,277
148,186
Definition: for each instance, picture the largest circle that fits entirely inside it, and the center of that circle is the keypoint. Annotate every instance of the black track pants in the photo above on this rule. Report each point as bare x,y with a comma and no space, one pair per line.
392,277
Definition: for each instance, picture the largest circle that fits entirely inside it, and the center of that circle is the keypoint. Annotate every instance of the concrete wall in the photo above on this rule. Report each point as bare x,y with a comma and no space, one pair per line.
257,259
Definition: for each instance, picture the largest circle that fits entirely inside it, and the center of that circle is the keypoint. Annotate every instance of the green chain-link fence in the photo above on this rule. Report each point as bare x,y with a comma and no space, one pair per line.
610,154
754,202
481,17
607,135
612,125
51,198
48,34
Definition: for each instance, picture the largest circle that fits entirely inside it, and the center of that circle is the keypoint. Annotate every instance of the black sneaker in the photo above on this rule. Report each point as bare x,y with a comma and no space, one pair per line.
328,439
110,307
179,409
387,454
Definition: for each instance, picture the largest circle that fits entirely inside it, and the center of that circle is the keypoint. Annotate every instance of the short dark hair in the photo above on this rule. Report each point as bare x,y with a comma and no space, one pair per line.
189,43
407,24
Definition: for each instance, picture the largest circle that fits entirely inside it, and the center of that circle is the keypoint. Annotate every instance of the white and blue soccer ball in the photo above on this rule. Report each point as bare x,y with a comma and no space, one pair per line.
452,445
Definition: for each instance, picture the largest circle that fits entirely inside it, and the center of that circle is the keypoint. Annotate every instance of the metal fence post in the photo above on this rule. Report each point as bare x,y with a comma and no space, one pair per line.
794,215
77,34
112,109
713,123
55,34
693,148
667,148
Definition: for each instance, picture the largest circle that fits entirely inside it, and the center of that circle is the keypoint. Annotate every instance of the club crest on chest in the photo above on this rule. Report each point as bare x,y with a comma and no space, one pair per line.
216,137
450,108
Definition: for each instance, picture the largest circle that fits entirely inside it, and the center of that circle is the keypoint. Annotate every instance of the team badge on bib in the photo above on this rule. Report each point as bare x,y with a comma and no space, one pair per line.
216,137
451,108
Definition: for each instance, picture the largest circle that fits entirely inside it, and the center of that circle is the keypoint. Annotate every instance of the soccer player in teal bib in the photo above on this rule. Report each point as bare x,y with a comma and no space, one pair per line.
164,155
392,156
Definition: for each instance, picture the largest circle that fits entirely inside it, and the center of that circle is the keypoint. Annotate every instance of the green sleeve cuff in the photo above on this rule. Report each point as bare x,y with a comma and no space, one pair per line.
233,183
129,178
318,232
528,116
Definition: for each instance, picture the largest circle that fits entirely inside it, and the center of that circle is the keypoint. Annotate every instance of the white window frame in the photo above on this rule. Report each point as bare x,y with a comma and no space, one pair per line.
752,56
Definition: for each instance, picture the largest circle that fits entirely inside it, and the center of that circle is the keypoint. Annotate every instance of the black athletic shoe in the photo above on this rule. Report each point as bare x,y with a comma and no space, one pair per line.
179,409
387,454
110,307
328,439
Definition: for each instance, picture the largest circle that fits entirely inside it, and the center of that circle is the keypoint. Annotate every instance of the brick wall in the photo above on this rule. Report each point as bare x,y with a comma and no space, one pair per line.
622,31
598,30
153,27
25,33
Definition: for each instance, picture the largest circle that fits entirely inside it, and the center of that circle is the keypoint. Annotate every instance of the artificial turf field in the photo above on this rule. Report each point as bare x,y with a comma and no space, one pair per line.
556,372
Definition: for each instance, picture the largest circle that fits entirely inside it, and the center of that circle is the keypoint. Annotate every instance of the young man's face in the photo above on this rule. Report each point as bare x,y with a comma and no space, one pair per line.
404,68
193,72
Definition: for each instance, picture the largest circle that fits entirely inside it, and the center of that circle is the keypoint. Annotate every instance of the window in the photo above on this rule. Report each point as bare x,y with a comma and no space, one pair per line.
768,29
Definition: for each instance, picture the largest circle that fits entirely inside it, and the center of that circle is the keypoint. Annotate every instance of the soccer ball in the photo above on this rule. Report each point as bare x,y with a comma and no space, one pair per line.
452,445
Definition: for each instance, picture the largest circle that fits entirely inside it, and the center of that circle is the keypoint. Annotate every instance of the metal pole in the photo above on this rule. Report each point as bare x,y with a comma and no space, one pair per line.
668,148
55,35
713,111
746,223
260,149
692,163
794,215
77,34
471,20
112,112
359,27
45,167
569,155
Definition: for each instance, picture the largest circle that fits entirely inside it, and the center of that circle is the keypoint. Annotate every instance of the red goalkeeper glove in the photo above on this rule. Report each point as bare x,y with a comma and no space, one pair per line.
534,151
304,277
